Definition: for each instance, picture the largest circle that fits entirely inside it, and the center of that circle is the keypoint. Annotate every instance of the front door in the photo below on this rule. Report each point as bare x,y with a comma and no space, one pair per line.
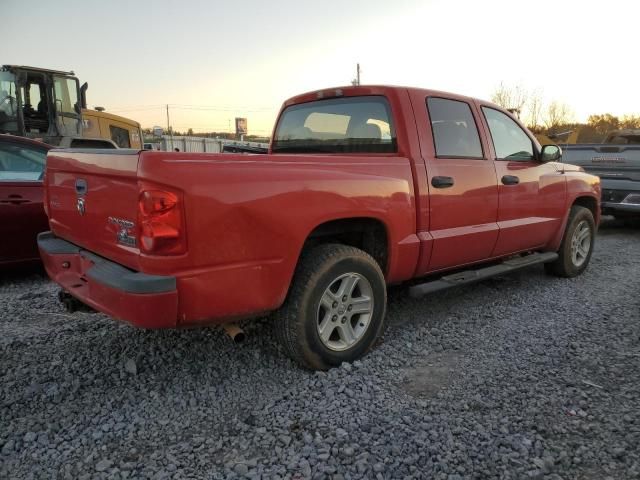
463,190
531,193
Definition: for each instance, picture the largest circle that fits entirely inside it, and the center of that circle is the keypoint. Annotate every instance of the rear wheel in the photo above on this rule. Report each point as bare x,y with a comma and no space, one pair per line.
577,244
335,309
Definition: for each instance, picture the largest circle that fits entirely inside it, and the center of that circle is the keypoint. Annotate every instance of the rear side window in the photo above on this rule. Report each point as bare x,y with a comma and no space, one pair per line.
509,140
338,125
455,133
19,163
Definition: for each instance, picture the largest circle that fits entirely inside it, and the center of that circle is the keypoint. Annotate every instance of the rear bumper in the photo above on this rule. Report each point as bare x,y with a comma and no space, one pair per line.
620,197
147,301
609,208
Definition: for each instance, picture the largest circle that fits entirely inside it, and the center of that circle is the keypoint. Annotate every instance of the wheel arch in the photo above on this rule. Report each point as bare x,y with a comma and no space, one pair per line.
369,234
589,202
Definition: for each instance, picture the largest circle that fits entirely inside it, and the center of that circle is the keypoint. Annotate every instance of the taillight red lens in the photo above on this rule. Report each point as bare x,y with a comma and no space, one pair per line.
153,202
160,223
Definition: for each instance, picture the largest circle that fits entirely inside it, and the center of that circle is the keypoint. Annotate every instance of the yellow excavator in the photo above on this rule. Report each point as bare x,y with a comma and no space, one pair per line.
564,138
124,132
50,105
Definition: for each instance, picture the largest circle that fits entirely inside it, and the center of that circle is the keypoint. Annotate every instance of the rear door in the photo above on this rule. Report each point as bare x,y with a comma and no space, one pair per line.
22,214
463,191
531,194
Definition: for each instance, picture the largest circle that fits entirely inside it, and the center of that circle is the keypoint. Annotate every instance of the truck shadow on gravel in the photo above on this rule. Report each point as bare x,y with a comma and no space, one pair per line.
611,226
22,273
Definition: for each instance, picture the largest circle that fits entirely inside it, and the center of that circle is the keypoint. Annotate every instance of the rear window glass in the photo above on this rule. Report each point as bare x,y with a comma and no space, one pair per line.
120,136
338,125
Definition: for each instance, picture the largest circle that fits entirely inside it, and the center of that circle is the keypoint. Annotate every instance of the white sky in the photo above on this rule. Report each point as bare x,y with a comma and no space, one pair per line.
245,58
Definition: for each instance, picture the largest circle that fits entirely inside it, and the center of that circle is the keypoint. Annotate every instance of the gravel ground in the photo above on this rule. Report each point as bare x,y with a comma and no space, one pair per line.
522,376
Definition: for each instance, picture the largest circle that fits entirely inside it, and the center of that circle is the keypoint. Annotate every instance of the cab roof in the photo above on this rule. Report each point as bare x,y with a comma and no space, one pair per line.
350,91
37,69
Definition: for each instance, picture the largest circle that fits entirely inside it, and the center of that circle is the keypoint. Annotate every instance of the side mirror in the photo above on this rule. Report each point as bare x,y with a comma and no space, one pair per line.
551,153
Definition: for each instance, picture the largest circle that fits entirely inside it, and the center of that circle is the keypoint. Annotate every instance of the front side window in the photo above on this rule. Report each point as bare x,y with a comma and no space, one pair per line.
338,125
66,92
509,140
120,136
20,163
455,133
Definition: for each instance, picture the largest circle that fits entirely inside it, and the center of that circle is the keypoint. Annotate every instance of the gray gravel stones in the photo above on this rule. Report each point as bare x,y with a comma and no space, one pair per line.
522,376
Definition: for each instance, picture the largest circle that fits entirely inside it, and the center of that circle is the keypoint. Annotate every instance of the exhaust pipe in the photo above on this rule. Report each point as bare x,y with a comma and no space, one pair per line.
72,304
235,333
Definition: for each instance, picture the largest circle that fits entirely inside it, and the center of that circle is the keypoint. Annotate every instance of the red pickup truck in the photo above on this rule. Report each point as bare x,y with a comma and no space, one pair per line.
362,187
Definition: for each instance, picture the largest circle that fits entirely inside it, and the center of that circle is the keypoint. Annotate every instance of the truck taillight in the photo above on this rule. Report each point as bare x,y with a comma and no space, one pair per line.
160,222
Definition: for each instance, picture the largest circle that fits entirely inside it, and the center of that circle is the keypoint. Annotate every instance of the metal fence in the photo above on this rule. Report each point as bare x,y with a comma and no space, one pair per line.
190,144
169,143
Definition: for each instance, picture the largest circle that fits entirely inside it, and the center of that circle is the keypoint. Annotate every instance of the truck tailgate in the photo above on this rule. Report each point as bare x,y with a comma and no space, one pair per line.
92,201
615,162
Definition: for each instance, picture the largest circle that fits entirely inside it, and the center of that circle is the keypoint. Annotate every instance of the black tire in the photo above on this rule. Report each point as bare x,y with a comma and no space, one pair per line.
296,323
565,265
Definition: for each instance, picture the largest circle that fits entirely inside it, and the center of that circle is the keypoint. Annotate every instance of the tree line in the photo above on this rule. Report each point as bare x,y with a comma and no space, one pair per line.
557,117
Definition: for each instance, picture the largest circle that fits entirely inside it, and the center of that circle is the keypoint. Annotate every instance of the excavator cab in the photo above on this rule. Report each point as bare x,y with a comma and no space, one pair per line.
40,103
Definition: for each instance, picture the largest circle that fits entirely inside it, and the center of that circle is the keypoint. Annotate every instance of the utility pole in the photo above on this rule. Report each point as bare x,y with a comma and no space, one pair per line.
169,128
356,81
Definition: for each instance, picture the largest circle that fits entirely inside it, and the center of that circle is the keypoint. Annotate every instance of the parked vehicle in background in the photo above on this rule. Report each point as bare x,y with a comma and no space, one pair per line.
617,163
22,215
362,187
124,132
244,147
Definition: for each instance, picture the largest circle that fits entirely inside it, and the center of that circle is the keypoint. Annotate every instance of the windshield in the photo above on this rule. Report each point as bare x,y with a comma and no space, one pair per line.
66,93
339,125
8,103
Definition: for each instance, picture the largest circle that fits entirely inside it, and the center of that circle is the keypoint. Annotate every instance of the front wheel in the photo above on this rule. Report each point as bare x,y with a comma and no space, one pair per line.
335,309
577,244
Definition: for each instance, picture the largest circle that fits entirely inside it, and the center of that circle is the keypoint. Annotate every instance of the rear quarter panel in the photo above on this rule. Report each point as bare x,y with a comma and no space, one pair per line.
248,217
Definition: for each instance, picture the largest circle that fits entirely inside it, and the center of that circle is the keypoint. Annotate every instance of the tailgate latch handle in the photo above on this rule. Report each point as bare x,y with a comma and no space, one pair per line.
81,186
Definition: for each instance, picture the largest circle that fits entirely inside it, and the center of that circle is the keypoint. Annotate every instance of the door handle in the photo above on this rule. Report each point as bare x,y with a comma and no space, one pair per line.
442,182
14,199
510,180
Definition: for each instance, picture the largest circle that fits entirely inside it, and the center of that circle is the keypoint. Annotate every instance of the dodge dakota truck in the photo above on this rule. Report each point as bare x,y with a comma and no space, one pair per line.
362,187
617,163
